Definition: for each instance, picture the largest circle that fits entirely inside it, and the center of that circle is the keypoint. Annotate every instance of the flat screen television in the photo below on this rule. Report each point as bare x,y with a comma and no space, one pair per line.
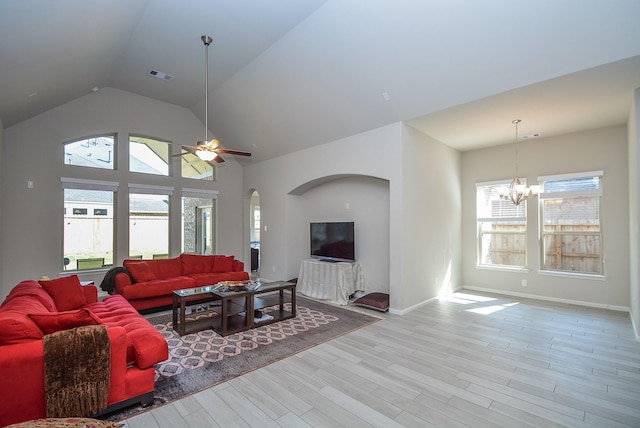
333,241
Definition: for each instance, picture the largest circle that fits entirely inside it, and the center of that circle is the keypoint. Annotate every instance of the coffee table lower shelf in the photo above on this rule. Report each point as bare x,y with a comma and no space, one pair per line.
233,312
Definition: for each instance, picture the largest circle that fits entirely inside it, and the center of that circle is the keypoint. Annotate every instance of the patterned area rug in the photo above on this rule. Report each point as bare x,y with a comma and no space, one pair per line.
201,360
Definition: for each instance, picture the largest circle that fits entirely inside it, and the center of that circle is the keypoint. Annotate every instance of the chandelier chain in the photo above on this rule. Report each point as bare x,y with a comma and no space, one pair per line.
516,122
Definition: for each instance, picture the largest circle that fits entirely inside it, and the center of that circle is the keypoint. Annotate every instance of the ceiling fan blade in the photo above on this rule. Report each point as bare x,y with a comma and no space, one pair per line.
188,150
233,152
218,159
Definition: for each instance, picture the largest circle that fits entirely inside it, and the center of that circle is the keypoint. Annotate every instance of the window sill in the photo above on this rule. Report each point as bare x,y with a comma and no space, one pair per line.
594,277
503,268
83,271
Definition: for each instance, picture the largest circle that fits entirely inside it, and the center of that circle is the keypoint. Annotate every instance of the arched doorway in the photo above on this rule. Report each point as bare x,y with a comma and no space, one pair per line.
254,232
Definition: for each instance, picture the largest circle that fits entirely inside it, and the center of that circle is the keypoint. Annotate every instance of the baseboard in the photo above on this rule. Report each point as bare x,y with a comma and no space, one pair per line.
411,308
549,299
145,400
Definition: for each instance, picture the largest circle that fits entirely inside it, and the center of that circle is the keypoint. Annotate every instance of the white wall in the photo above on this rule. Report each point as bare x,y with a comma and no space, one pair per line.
422,173
363,200
430,218
601,149
281,181
634,209
31,241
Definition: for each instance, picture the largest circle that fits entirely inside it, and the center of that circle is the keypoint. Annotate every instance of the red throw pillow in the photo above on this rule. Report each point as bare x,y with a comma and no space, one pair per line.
57,321
140,271
196,263
16,327
223,264
66,292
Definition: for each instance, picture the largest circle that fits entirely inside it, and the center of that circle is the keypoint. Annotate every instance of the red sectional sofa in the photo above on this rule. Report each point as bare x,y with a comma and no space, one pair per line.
149,284
33,309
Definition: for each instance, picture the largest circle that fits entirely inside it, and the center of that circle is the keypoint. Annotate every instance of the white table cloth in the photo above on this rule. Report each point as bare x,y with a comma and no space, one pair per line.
334,282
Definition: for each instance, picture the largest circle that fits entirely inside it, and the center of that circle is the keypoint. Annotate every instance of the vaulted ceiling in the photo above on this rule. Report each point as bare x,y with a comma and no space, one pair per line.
289,74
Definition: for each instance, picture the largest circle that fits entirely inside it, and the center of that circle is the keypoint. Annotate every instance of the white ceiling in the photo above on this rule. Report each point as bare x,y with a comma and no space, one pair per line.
288,74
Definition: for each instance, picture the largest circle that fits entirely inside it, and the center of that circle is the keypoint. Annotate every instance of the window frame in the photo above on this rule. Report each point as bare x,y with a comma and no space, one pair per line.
519,216
546,195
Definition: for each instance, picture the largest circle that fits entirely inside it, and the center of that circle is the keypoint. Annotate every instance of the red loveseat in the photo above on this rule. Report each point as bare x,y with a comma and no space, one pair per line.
149,284
33,309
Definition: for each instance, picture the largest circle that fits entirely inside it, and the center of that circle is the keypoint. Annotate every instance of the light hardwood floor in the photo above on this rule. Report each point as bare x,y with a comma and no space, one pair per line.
475,360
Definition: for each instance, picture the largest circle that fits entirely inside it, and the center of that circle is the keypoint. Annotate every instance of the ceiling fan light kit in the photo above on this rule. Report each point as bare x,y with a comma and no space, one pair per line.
206,155
517,190
209,150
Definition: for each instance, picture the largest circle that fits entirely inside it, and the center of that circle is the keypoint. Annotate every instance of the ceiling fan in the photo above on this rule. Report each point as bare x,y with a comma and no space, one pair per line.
209,150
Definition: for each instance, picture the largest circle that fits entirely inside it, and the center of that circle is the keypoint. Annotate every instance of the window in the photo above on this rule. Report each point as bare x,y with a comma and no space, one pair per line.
88,238
148,156
148,224
502,228
198,222
571,232
93,152
194,167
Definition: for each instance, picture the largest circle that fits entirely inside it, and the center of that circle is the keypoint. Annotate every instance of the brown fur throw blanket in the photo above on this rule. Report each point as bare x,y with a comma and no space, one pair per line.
77,364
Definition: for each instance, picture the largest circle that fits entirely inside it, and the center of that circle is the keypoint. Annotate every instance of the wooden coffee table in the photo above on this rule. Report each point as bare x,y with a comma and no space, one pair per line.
227,311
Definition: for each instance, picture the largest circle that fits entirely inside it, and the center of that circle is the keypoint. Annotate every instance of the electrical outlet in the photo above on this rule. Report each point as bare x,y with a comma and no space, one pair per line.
524,282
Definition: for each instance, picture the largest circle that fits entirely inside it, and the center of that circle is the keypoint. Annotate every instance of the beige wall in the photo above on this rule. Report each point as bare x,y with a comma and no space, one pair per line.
601,149
31,240
634,209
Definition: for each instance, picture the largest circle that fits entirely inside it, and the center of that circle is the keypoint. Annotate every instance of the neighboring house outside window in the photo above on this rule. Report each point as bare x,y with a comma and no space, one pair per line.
92,152
198,221
149,222
502,228
571,231
88,237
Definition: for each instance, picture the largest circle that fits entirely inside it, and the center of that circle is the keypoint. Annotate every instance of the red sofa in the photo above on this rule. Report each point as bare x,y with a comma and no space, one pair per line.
149,284
33,309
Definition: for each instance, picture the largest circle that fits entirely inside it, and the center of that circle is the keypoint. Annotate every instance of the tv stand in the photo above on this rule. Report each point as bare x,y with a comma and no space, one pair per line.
334,281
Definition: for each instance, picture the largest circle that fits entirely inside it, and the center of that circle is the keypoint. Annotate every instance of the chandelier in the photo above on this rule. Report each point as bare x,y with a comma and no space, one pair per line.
517,190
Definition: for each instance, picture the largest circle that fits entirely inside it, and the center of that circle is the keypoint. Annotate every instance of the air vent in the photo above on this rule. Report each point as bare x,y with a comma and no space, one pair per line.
160,75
